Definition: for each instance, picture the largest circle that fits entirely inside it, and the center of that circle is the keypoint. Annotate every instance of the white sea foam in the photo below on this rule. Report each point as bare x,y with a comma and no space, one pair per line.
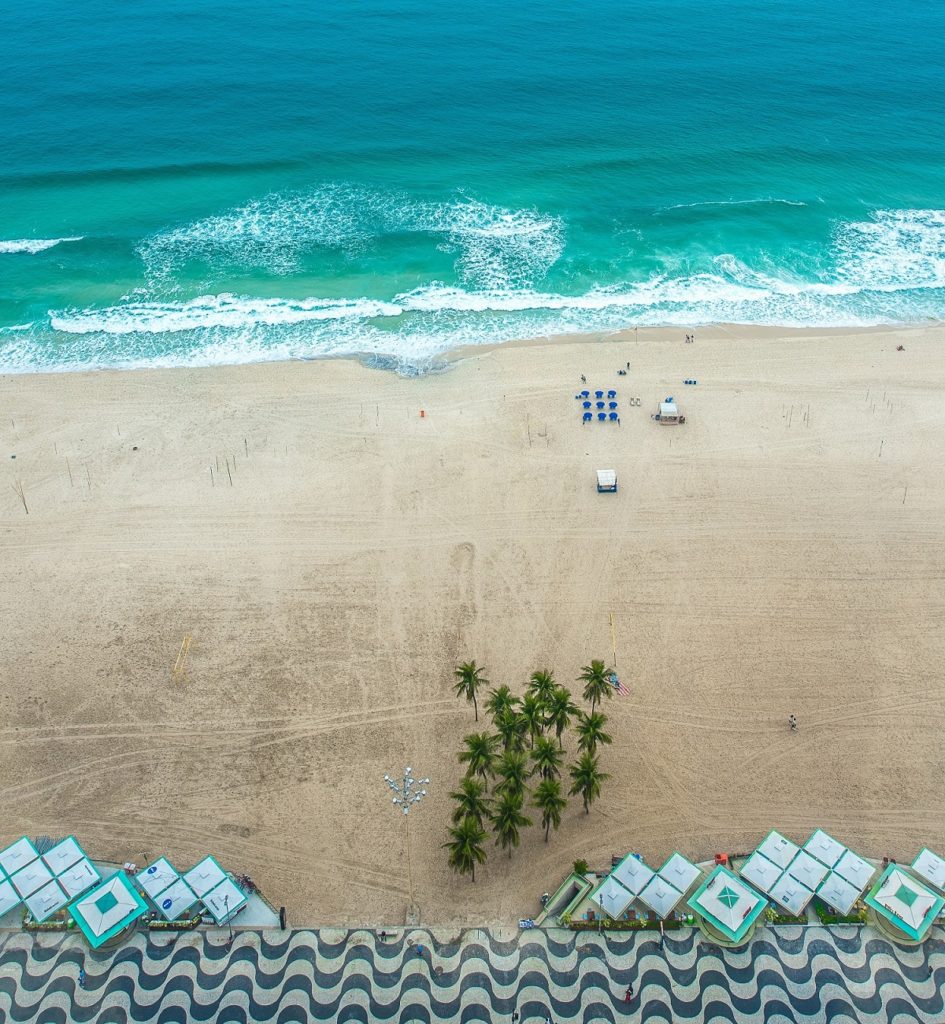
213,311
767,200
34,245
894,250
494,246
885,269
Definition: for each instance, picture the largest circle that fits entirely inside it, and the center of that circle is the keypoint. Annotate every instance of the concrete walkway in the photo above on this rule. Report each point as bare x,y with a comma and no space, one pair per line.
786,974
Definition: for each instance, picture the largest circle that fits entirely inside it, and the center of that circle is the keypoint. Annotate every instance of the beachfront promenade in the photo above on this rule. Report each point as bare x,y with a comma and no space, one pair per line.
785,974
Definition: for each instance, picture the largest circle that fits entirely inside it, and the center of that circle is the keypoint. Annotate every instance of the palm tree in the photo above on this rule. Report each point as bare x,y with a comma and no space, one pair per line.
542,685
597,684
500,700
561,709
546,757
511,729
590,730
469,678
550,802
465,847
533,715
479,755
587,778
471,801
512,771
507,820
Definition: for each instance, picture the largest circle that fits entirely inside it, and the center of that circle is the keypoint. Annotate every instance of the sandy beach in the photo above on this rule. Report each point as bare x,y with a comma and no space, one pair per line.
333,554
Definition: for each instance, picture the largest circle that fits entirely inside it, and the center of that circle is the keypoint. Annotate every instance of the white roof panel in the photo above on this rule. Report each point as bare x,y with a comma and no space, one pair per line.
9,897
854,870
931,867
789,893
807,870
825,848
660,896
79,877
63,855
632,873
17,856
46,901
679,872
176,900
105,907
906,898
729,900
157,877
205,876
838,892
612,897
760,872
606,477
224,901
34,876
778,850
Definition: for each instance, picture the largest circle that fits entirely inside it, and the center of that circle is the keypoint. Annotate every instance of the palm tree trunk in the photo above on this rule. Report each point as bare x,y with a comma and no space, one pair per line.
475,707
547,829
474,872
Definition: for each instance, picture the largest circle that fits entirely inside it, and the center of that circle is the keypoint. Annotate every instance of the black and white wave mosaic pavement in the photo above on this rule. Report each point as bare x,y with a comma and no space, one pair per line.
785,975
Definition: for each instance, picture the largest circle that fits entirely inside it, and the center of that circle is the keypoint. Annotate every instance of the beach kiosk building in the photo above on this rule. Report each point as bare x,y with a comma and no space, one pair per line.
108,910
905,902
727,905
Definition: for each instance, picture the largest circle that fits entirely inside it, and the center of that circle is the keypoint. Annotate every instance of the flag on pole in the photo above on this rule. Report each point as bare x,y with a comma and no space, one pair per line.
618,686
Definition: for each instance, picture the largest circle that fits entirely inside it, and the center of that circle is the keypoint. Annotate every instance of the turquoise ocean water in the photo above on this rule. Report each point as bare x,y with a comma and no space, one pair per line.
217,182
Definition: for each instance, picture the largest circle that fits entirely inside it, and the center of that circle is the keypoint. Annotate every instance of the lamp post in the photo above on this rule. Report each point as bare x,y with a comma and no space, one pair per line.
229,922
405,797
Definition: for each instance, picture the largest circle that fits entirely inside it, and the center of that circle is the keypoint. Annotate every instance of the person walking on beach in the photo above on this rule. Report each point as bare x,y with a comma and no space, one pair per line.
792,722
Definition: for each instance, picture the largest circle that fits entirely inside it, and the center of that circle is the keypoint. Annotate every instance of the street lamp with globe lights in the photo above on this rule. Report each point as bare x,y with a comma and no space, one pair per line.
407,794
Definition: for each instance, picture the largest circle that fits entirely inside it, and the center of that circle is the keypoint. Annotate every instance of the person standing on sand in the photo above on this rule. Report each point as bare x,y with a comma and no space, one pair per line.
792,722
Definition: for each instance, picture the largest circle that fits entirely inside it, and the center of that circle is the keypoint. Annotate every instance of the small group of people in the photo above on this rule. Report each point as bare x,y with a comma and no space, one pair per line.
690,338
792,722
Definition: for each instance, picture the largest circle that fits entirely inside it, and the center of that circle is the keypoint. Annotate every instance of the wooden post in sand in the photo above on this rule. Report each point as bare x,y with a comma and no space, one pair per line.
180,665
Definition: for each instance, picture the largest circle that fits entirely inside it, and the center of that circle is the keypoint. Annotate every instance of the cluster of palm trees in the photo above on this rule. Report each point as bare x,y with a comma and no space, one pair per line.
527,745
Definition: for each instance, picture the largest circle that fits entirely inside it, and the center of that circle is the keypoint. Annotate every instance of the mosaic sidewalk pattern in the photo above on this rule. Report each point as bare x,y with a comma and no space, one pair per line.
843,974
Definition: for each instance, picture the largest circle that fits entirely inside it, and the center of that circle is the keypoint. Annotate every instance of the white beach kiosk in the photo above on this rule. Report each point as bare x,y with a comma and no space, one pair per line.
669,412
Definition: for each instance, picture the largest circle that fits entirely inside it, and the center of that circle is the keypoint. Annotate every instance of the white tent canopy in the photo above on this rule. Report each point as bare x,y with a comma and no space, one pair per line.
76,879
778,850
931,867
807,870
175,900
825,848
157,877
611,897
46,901
17,856
838,892
790,893
660,896
205,876
9,897
760,872
633,874
679,872
63,855
854,870
225,900
34,876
